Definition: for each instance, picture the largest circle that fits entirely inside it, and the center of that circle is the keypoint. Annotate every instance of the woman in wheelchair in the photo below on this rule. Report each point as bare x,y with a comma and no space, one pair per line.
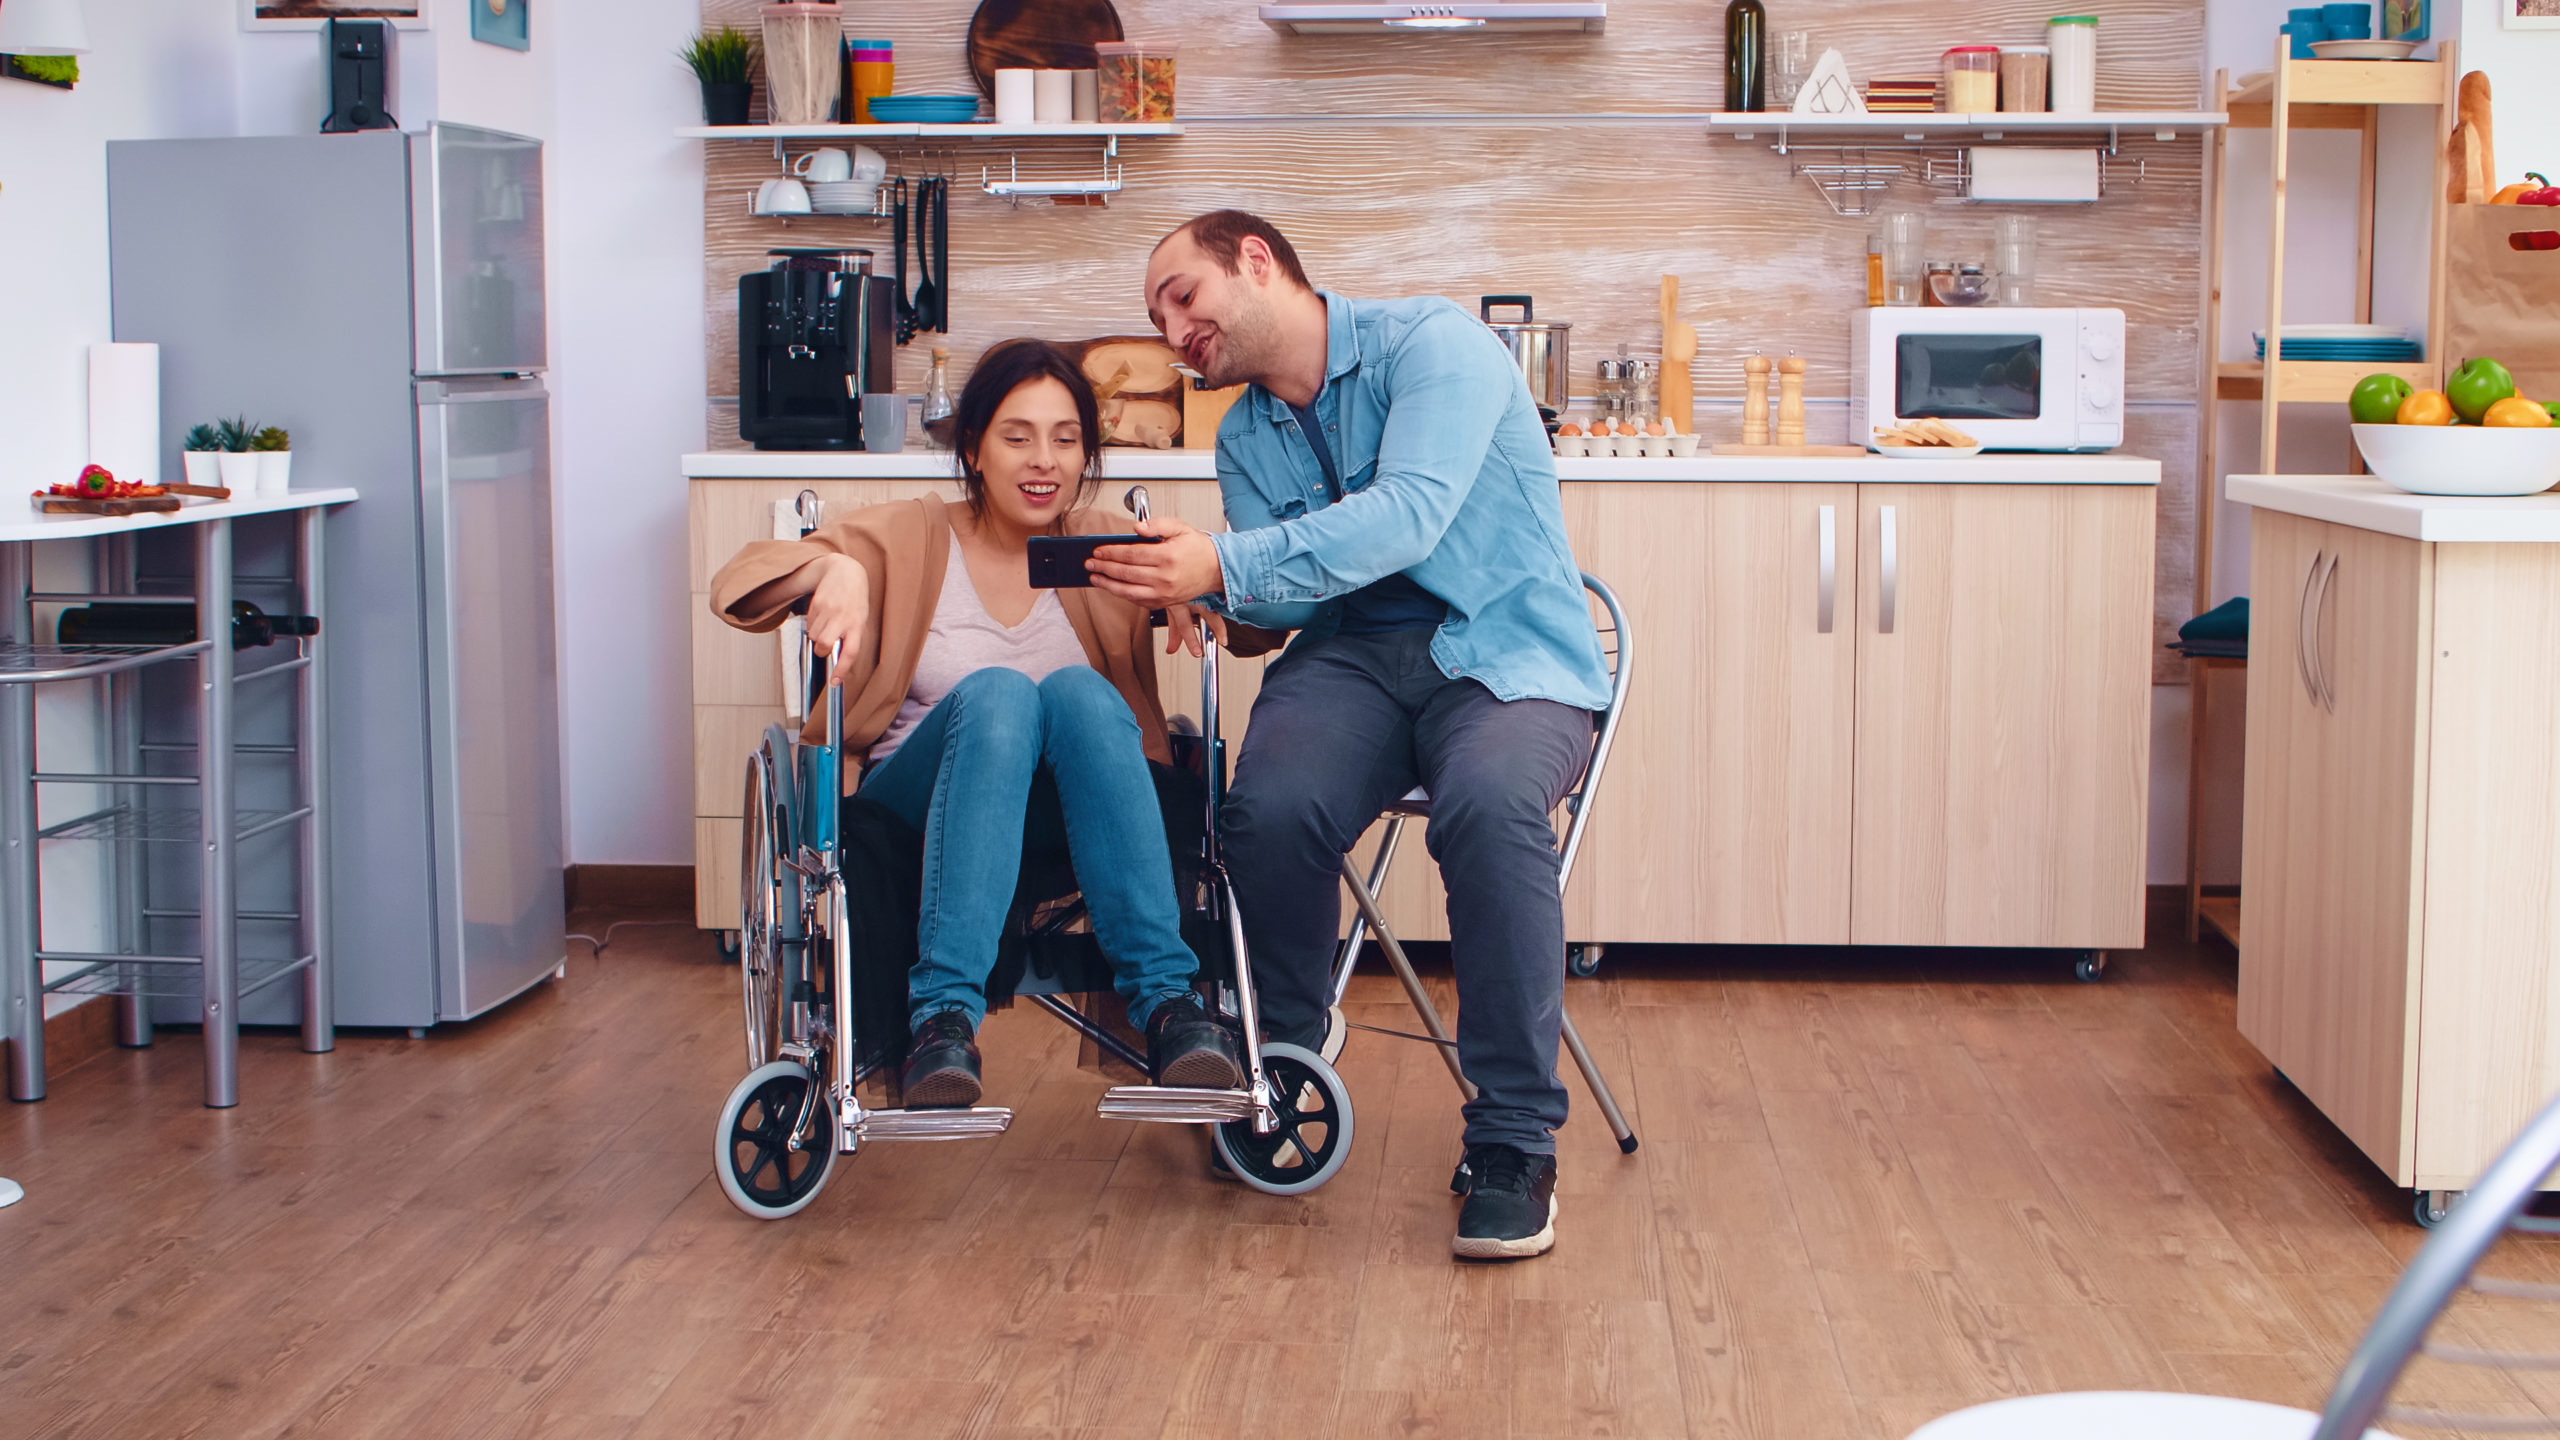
964,684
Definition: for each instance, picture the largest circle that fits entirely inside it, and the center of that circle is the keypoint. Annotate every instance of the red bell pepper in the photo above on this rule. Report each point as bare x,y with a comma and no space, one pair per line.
2549,194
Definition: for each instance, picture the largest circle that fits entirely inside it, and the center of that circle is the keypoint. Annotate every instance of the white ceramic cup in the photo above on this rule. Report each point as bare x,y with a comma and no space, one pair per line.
870,167
824,167
782,195
1053,96
1016,97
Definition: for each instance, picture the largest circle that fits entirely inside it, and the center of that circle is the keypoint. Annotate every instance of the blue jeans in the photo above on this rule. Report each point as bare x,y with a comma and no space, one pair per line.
963,777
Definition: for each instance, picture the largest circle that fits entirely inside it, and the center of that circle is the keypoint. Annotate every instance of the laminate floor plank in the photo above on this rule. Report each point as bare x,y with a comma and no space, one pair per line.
1873,1188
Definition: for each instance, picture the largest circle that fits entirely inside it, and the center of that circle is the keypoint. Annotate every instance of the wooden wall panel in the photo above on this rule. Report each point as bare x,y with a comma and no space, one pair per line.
1586,214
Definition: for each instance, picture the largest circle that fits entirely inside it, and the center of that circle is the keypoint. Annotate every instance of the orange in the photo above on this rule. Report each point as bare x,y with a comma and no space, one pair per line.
2517,413
2425,407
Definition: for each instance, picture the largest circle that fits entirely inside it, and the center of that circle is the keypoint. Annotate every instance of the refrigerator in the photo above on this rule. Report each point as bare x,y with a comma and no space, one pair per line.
381,296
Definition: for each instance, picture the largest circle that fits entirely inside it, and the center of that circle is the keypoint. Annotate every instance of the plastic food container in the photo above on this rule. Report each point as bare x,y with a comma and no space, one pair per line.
1135,81
2024,71
1971,80
2073,40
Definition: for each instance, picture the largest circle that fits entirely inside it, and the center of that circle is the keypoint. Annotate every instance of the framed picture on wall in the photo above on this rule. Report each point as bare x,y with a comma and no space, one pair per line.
2532,14
2407,19
501,22
312,14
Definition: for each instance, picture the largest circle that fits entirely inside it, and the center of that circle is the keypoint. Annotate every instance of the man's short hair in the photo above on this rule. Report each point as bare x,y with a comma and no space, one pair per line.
1220,236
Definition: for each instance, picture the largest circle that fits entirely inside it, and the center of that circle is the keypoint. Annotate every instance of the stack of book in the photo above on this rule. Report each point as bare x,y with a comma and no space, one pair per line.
1903,97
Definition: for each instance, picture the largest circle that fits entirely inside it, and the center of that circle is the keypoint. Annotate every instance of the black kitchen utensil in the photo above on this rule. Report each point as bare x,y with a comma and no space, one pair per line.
929,261
942,254
901,311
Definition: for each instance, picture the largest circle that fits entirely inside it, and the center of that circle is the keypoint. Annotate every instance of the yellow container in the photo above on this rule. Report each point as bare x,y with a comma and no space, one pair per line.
871,72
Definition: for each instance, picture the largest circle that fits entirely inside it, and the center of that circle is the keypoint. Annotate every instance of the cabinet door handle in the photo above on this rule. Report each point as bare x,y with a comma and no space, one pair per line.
2302,622
1827,589
1886,568
2319,625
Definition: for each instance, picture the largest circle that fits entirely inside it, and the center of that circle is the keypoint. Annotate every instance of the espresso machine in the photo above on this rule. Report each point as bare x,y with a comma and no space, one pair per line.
816,333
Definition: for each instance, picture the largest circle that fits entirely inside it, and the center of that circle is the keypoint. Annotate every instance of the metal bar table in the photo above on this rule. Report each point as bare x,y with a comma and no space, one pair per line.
26,663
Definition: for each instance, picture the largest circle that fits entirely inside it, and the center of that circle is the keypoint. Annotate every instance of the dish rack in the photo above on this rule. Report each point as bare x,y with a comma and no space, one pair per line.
1852,180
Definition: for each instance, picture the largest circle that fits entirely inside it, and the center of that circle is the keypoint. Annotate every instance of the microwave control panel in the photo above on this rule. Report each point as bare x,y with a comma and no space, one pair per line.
2101,387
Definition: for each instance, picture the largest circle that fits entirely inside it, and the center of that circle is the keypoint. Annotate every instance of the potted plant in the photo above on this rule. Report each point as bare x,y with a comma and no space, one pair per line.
720,60
274,449
203,447
239,467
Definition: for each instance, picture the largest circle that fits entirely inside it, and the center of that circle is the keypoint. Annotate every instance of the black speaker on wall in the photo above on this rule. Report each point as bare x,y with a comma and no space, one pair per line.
359,58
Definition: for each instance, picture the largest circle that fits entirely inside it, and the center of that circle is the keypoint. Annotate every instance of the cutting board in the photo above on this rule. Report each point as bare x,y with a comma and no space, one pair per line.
1834,451
135,505
1037,35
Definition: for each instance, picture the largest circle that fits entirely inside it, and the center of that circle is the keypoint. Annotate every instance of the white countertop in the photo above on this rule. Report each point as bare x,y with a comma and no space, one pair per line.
2368,504
1129,464
32,524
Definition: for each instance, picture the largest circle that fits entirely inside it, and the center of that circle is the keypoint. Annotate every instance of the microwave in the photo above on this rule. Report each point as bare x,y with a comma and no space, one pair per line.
2026,378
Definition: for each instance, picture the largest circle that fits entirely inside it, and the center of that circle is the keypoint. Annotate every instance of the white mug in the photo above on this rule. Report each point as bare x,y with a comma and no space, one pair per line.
824,167
781,196
870,167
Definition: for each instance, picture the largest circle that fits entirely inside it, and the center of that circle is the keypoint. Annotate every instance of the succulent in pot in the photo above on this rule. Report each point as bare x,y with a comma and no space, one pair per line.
202,450
239,467
273,448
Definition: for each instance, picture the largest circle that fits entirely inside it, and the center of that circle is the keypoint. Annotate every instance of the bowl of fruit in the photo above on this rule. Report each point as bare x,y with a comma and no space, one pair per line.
2476,436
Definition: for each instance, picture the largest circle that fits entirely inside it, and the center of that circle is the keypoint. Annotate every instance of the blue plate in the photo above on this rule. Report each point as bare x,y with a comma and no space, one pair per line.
925,109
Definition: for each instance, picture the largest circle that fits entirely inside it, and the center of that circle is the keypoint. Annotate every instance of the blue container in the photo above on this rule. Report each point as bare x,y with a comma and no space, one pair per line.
2311,16
2302,36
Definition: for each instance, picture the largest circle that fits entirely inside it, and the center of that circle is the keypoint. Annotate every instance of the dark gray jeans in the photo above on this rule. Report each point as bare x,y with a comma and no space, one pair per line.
1345,727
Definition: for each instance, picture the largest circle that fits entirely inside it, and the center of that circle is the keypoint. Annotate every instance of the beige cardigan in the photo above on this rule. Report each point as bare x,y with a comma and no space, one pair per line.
904,547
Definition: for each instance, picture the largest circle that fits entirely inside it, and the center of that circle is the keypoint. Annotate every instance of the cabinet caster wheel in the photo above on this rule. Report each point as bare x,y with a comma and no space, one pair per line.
727,943
2091,967
1583,960
2433,1206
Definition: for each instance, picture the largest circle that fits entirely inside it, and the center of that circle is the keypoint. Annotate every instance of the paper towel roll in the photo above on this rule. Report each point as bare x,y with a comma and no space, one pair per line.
124,411
1053,96
1014,97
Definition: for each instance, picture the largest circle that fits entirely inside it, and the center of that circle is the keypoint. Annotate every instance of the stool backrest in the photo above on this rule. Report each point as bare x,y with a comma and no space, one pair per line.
2441,1268
1617,646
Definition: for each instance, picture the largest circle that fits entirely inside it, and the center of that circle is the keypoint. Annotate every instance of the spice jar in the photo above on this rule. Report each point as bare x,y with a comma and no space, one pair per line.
1970,76
1935,285
2022,78
1135,82
1875,271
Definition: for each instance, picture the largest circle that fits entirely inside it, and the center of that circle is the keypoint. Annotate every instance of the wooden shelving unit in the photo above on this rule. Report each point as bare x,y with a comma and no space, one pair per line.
2296,95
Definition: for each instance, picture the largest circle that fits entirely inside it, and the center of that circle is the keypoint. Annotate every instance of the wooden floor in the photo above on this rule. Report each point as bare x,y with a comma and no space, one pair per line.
1873,1188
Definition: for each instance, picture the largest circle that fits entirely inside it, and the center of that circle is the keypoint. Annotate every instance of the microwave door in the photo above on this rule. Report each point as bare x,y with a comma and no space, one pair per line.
1958,377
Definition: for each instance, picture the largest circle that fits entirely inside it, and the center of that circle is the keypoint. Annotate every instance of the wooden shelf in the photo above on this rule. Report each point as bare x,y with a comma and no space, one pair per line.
2222,913
2315,382
971,131
2335,93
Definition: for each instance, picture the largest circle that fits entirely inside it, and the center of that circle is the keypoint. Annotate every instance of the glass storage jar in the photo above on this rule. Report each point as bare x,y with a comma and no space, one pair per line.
1970,76
1134,82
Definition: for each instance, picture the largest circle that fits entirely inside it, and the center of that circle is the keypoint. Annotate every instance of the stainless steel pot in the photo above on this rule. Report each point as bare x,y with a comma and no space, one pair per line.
1543,350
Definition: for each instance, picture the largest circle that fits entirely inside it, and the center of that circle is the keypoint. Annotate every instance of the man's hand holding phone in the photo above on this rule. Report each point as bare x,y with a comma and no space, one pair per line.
1182,567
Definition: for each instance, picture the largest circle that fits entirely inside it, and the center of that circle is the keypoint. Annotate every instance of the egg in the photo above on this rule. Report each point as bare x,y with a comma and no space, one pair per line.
1568,428
1600,427
1654,427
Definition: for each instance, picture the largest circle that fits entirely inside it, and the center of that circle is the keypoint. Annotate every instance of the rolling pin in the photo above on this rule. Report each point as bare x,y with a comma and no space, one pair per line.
1755,400
1679,347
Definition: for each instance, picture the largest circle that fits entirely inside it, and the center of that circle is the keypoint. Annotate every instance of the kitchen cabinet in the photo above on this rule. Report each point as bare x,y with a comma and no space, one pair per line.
2003,715
2402,831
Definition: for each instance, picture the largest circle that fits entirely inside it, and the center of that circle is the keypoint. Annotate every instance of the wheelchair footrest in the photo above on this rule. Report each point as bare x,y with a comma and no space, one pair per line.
973,1124
1174,1104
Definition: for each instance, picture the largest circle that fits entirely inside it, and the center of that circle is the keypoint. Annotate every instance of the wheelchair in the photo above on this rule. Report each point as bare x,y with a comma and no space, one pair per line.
799,1108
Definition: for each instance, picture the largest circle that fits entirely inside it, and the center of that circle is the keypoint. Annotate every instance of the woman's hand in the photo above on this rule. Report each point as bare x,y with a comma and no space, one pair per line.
839,607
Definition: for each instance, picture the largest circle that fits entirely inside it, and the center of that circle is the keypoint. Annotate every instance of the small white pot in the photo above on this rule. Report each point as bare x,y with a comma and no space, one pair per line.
275,468
240,474
204,467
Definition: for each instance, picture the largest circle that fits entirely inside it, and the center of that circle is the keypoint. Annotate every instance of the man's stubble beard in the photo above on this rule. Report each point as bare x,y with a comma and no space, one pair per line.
1248,343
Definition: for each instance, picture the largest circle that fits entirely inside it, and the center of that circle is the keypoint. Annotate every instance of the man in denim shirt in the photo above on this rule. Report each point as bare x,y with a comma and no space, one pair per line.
1393,499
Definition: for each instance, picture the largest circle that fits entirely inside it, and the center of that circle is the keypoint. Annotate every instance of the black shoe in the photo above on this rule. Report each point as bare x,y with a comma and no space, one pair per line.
942,1064
1510,1212
1187,1048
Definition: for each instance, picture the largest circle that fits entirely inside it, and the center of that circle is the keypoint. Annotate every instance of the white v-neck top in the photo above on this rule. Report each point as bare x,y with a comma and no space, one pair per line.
964,639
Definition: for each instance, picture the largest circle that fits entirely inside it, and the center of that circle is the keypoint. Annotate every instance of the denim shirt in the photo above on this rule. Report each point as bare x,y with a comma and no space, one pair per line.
1447,477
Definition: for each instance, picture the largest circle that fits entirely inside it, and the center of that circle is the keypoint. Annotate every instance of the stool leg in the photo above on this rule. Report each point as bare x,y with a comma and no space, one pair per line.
1430,1013
1599,1088
1347,957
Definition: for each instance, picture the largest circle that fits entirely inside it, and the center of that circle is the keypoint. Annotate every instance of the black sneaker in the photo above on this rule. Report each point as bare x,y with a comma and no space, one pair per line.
942,1064
1187,1048
1510,1212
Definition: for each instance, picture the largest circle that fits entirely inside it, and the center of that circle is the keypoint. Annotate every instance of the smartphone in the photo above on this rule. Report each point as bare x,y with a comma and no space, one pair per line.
1057,561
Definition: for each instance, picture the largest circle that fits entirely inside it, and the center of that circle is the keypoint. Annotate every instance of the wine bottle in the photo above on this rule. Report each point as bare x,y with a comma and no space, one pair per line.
1746,56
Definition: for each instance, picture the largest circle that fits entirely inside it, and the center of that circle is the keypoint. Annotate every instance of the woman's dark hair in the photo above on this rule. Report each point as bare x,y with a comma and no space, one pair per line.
1006,367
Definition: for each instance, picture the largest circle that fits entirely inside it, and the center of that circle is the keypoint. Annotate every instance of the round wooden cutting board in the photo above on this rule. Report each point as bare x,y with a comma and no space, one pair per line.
1037,35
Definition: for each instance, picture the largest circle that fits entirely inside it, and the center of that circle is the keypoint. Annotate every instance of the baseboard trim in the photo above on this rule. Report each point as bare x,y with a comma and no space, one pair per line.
630,886
74,1036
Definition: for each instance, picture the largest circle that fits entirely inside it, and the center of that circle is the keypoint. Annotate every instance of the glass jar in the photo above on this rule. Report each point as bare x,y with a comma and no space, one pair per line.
1938,283
1970,80
2073,39
2023,70
1904,231
1134,82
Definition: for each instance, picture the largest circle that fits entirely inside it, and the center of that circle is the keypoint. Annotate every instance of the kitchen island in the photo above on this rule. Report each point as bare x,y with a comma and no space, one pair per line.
1877,700
2402,830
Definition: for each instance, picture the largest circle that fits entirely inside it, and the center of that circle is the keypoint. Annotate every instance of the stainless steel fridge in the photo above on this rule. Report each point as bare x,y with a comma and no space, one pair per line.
381,296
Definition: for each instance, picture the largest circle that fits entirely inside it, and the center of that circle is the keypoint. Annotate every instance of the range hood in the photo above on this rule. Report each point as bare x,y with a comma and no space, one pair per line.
1464,17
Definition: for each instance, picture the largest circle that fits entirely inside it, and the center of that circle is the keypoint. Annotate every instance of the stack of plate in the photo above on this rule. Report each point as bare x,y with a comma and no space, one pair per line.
842,197
924,109
2367,344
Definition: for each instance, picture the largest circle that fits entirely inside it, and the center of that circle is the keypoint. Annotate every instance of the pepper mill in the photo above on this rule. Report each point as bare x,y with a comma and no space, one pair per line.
1791,401
1755,400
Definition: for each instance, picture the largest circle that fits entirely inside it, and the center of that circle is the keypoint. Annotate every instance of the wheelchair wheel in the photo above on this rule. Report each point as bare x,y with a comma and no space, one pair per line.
1337,1033
759,917
1314,1137
761,1173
